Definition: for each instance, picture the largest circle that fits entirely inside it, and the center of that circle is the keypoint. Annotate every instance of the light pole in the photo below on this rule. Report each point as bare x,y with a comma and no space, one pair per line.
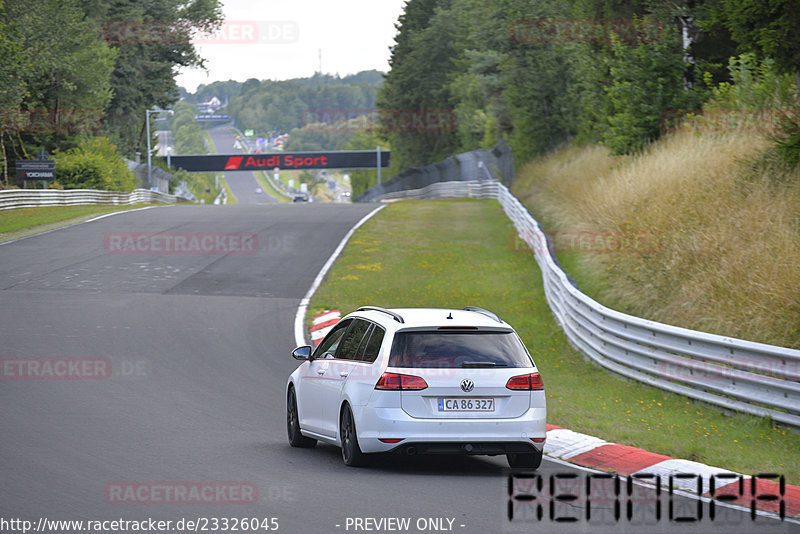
378,166
149,155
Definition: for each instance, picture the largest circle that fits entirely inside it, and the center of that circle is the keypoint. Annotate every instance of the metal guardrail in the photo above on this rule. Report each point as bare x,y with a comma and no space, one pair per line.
468,166
732,373
470,189
33,198
279,186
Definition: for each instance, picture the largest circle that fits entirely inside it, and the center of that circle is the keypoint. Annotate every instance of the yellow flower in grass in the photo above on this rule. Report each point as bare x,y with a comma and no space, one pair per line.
372,267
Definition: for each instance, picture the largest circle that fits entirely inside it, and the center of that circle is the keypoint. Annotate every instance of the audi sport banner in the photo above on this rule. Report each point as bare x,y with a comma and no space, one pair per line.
345,159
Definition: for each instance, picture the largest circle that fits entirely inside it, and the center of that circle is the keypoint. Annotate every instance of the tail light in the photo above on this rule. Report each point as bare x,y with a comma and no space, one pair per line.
529,382
398,382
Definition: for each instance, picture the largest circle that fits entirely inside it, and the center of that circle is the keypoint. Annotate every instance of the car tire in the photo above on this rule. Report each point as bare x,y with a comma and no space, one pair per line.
351,452
296,439
526,460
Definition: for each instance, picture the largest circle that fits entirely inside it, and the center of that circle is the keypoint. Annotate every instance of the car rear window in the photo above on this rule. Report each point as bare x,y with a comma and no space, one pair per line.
457,349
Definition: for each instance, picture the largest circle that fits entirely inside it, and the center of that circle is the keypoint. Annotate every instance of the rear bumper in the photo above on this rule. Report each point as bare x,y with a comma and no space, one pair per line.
449,436
468,448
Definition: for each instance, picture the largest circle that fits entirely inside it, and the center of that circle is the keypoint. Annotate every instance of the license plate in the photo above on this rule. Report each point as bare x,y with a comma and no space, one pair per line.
471,404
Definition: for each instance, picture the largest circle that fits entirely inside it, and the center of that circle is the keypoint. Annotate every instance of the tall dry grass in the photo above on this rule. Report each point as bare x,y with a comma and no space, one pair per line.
727,224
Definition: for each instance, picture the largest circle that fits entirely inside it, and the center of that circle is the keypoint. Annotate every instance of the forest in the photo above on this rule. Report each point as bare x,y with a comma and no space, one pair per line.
463,74
73,70
619,73
306,108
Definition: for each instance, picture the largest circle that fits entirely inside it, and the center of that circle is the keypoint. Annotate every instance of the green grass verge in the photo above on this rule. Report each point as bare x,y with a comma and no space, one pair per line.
231,198
211,146
453,253
16,223
268,188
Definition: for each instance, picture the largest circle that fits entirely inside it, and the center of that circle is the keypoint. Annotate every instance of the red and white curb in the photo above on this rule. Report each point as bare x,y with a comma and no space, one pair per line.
595,453
322,324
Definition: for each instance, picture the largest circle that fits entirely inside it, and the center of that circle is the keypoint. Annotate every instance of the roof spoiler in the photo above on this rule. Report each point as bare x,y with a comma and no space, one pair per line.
487,313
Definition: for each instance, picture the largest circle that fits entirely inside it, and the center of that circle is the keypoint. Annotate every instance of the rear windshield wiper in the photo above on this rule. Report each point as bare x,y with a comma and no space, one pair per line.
483,364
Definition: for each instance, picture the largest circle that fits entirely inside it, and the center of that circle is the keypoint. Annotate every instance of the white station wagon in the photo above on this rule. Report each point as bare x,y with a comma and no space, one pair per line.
419,381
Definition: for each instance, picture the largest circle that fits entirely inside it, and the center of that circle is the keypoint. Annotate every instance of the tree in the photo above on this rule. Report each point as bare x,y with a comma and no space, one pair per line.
766,26
647,82
152,39
317,137
282,106
422,63
61,87
363,179
13,88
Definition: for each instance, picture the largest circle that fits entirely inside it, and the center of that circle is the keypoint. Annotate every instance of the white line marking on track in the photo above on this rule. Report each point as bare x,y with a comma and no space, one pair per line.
83,222
299,319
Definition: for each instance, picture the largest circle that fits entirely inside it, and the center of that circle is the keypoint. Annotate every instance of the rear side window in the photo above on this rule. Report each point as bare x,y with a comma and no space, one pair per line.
441,349
348,348
374,344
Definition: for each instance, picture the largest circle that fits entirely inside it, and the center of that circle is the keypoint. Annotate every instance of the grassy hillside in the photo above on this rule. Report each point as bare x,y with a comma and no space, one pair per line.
708,228
395,260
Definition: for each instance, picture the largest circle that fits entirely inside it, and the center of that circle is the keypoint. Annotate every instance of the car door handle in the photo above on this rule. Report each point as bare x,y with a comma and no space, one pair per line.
321,371
343,374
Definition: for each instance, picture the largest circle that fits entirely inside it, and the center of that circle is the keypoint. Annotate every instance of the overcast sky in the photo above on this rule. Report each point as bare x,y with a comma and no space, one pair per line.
278,40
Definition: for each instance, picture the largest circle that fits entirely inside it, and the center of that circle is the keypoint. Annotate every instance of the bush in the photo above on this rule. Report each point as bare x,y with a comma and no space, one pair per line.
94,164
646,82
755,86
787,140
766,101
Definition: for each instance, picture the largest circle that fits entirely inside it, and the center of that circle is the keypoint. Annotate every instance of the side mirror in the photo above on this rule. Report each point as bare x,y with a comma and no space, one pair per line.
302,353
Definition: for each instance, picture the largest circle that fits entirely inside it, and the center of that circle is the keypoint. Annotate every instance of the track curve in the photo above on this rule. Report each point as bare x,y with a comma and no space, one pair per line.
198,346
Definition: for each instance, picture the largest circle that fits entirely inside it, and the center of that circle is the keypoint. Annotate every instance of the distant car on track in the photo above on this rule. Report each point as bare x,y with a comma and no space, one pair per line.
419,381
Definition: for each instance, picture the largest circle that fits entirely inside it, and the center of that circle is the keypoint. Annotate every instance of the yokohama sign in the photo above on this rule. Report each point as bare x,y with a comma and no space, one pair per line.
347,159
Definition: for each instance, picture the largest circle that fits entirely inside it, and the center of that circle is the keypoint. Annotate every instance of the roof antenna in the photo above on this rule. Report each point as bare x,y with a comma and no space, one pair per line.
450,316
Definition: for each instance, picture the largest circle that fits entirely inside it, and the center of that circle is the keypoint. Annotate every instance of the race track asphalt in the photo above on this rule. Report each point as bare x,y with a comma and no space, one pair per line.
198,346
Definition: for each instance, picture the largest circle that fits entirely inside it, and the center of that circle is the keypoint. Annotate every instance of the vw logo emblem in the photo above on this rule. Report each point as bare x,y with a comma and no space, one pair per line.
467,385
